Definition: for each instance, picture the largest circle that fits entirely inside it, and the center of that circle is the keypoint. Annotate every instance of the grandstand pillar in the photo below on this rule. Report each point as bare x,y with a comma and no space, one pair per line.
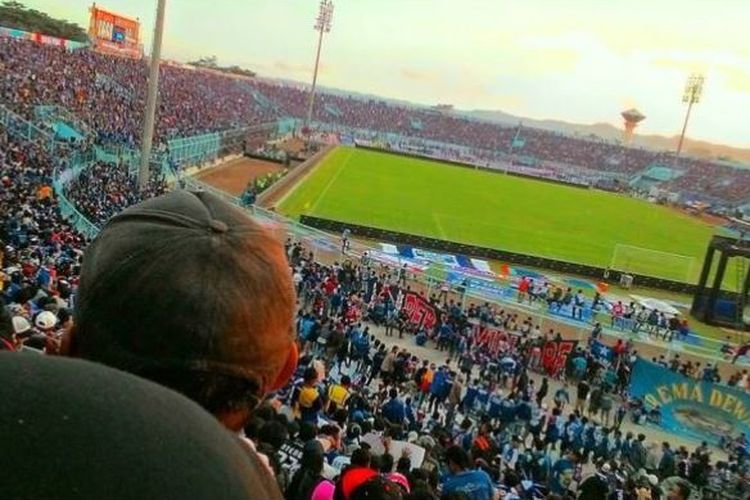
714,293
153,90
745,289
707,262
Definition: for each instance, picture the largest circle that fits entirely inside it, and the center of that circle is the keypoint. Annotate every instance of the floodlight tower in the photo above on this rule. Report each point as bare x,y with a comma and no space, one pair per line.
692,95
149,118
322,25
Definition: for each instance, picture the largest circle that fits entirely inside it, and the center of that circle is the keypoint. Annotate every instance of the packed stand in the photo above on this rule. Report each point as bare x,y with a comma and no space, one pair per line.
718,181
488,422
104,190
41,253
109,93
359,411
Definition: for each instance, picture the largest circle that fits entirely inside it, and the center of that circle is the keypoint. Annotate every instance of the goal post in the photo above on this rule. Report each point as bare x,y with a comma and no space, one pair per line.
633,259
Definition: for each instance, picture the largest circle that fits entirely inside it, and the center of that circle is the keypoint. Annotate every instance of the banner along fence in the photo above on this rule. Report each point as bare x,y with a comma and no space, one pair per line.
691,408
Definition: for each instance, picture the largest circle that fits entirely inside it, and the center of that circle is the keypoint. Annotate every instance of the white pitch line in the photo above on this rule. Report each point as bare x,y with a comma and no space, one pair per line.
439,226
330,183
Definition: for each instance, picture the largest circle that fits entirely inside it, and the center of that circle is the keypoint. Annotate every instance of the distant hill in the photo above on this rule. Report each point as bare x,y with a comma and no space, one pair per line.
606,131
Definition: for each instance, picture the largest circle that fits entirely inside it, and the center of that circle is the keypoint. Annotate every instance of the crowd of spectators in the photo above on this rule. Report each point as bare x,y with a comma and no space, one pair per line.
103,190
490,423
702,178
41,253
210,315
109,94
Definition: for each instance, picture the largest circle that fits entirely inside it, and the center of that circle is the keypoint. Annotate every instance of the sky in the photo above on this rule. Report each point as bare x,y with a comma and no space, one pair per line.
582,61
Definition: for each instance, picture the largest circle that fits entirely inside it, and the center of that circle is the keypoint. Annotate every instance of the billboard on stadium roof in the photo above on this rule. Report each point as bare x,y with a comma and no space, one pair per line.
114,34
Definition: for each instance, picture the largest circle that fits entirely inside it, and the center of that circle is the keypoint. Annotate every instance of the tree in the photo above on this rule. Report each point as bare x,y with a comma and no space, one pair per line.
212,62
17,16
205,62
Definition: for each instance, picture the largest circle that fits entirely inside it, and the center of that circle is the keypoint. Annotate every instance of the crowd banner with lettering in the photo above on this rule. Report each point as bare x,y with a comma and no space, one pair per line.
419,310
692,408
555,355
492,339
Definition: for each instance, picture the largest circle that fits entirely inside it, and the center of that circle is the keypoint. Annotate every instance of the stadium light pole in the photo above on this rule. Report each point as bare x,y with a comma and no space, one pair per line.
692,95
322,25
153,91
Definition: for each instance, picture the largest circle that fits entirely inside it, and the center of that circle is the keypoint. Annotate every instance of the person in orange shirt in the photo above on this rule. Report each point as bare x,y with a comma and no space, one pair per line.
44,192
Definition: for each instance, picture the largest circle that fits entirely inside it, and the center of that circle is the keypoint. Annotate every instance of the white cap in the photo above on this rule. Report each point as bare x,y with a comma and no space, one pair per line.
653,479
45,320
21,325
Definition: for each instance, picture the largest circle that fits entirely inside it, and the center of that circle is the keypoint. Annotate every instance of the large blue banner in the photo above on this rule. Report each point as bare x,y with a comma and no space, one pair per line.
692,408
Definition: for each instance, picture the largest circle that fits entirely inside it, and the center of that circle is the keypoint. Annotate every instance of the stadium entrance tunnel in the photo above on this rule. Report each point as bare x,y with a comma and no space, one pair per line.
712,303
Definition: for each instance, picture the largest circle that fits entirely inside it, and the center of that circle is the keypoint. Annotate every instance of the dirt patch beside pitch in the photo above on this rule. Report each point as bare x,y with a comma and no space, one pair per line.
234,176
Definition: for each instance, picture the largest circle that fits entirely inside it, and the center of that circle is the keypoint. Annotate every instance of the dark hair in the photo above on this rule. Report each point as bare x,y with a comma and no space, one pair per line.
6,322
361,458
307,431
330,430
253,427
215,392
386,463
458,456
274,433
377,488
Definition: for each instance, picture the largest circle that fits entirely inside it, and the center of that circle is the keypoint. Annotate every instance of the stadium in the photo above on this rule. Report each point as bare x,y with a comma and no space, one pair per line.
348,296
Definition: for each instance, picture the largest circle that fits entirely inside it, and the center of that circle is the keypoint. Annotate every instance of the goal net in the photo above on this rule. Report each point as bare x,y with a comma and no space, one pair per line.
639,260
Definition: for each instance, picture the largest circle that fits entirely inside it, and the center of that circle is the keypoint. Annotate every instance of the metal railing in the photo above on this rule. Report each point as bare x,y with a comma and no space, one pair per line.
52,112
23,129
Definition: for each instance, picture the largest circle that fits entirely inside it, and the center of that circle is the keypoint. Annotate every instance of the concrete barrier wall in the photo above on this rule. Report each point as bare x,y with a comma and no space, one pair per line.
492,253
272,195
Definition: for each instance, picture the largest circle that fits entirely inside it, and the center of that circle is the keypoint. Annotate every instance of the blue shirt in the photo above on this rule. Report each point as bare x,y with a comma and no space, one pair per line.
439,385
470,397
476,484
562,476
394,411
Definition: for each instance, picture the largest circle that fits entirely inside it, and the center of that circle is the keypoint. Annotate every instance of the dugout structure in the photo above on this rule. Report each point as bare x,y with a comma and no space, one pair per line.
712,303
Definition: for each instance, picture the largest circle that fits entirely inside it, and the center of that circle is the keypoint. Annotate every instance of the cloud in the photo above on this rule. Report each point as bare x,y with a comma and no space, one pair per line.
292,68
413,74
737,79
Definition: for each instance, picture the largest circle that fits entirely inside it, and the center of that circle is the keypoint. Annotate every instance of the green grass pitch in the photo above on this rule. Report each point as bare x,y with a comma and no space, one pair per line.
488,209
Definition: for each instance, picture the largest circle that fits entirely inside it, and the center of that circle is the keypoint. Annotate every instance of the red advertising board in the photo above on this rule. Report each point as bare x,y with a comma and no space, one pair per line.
113,33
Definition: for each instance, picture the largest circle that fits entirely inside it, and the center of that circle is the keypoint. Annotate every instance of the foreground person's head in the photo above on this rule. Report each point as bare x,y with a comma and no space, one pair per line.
74,429
188,291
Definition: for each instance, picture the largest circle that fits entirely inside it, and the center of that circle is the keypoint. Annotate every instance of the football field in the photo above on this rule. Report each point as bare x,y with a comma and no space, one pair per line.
430,198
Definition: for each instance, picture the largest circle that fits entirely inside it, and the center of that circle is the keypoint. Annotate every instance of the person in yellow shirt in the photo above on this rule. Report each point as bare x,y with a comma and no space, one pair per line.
338,395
